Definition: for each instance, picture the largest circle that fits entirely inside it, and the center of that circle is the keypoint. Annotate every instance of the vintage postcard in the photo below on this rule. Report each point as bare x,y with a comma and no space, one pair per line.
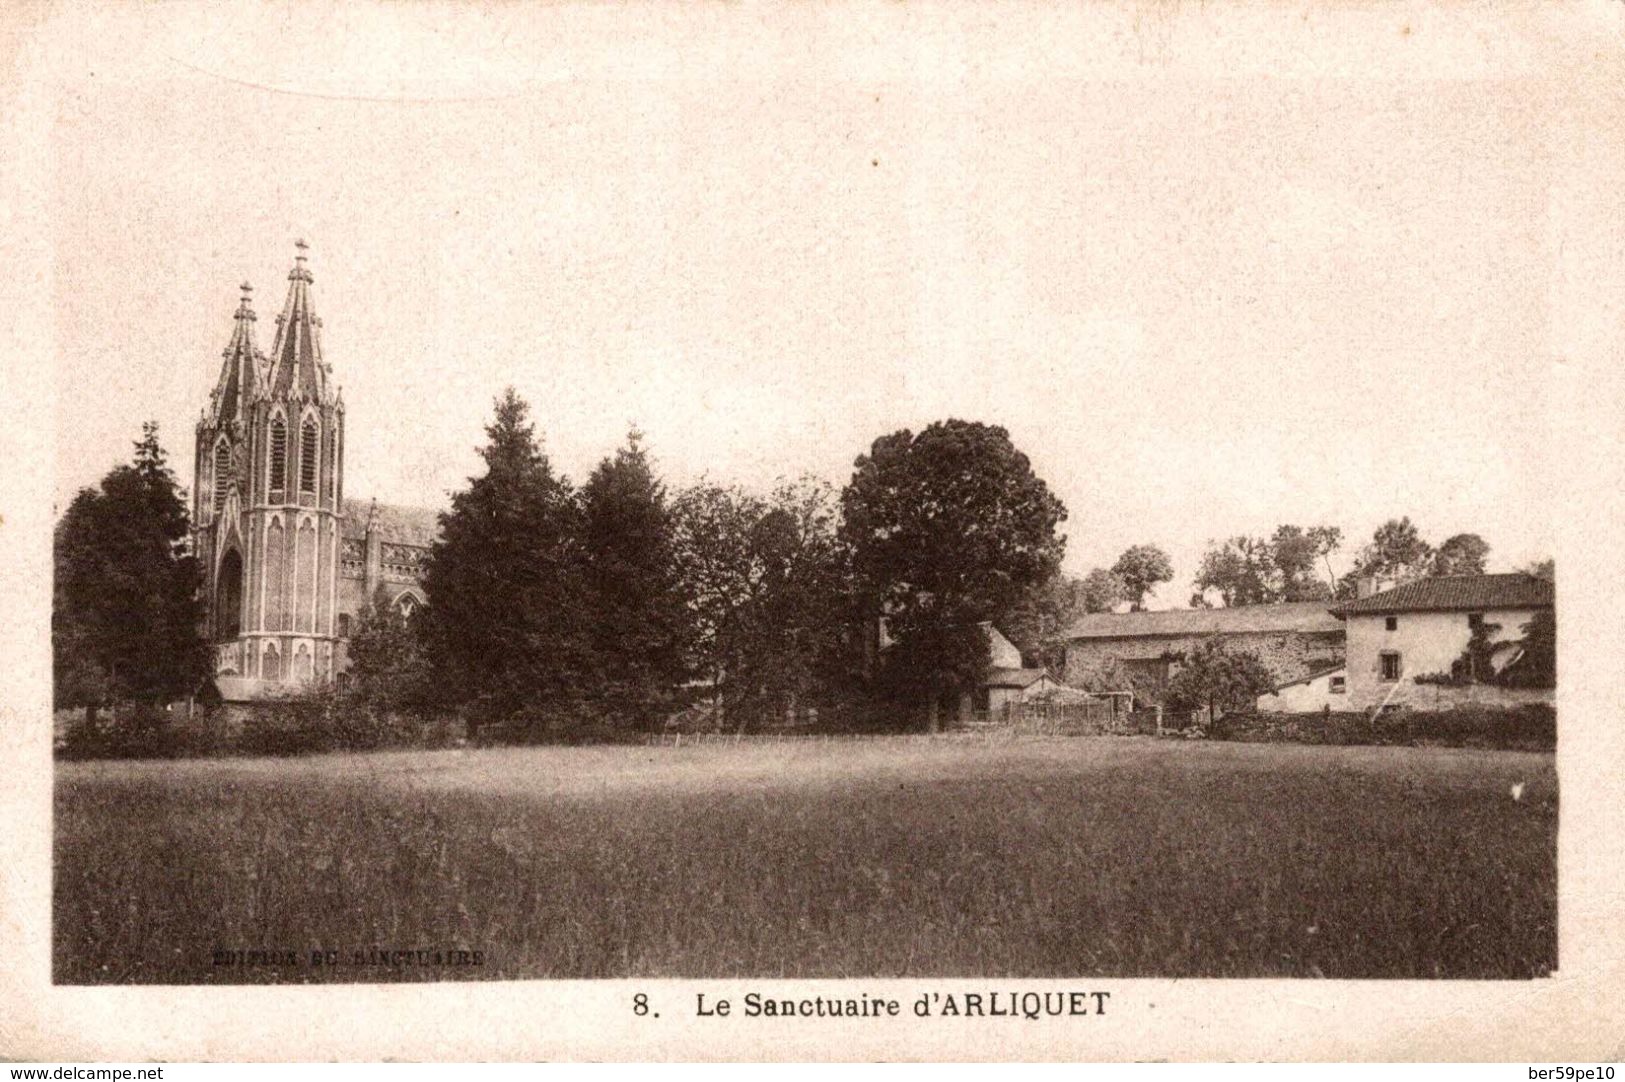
813,532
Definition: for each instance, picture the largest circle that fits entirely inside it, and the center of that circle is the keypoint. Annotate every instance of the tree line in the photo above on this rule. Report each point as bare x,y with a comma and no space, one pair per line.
618,603
1285,566
624,603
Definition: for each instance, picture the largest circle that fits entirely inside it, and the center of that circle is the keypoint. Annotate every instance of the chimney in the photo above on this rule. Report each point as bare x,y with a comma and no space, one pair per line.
1365,586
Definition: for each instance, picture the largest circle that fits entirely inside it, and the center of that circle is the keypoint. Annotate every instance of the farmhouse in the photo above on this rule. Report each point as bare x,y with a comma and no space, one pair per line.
1325,689
1410,645
1294,640
1006,681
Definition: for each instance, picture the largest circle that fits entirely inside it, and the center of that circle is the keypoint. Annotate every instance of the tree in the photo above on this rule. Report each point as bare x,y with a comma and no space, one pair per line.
638,625
1140,569
1219,678
766,584
507,606
1462,554
126,607
389,669
1295,552
1238,571
1542,569
1268,571
947,529
1101,591
713,531
1537,665
1038,623
1396,554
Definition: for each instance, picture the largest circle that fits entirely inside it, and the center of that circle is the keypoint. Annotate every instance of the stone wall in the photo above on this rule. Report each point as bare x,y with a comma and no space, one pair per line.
1288,655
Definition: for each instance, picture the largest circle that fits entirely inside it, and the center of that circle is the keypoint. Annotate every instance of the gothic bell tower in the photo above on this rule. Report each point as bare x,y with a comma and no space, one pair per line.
269,485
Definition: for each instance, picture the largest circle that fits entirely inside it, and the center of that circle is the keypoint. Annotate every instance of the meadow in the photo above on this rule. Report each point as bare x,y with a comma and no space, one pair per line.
1128,857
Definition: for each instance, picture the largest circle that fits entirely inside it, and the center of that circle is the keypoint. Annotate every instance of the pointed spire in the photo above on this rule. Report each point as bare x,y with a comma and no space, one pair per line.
297,368
237,369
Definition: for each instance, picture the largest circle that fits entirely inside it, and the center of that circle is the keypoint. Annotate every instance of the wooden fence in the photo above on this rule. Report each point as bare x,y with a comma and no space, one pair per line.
1017,721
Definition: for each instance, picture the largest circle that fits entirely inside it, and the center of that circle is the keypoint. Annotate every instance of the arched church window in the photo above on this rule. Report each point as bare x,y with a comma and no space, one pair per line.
222,473
407,604
308,443
229,598
279,454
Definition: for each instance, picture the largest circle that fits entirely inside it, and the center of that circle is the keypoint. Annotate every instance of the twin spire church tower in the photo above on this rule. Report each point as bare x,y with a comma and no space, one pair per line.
288,561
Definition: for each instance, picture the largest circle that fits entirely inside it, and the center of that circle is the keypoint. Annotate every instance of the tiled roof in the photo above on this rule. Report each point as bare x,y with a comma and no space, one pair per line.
1311,677
998,677
1455,593
1299,616
398,524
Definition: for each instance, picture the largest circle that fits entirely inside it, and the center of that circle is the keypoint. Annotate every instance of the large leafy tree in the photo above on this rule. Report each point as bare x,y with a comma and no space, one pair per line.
1238,571
507,606
947,529
639,621
1269,570
765,578
389,668
1101,591
1462,554
127,613
1297,554
1396,553
1140,569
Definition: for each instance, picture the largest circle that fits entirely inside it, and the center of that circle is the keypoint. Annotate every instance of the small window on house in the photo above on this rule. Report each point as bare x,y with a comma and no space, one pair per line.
279,455
1339,685
1390,666
1392,623
1475,620
308,443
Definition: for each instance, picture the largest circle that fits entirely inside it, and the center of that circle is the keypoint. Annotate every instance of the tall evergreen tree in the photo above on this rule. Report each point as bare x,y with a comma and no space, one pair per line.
507,615
638,630
126,612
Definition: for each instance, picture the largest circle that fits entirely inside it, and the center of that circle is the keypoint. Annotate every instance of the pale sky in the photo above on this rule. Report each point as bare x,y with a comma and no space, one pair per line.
1203,306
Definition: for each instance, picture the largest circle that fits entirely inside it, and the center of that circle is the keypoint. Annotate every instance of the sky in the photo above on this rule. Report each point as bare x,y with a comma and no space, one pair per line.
1203,302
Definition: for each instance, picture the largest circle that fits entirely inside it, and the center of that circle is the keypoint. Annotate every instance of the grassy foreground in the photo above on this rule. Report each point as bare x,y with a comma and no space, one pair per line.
1109,857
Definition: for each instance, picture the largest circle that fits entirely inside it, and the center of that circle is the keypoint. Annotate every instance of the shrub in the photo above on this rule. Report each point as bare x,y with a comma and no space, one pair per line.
1527,728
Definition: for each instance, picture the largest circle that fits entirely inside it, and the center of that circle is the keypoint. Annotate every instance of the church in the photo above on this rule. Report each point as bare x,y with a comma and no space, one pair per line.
289,559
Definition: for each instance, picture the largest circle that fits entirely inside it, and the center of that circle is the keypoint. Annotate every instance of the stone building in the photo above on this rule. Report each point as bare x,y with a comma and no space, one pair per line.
1293,640
288,560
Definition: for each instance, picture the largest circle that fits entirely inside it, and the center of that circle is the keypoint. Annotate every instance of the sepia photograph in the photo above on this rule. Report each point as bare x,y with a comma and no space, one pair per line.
553,495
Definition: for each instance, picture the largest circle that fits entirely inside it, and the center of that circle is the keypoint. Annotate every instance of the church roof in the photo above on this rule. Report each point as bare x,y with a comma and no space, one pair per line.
396,523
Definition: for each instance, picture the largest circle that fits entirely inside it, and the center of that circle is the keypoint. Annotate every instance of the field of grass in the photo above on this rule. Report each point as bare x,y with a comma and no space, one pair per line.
1109,857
